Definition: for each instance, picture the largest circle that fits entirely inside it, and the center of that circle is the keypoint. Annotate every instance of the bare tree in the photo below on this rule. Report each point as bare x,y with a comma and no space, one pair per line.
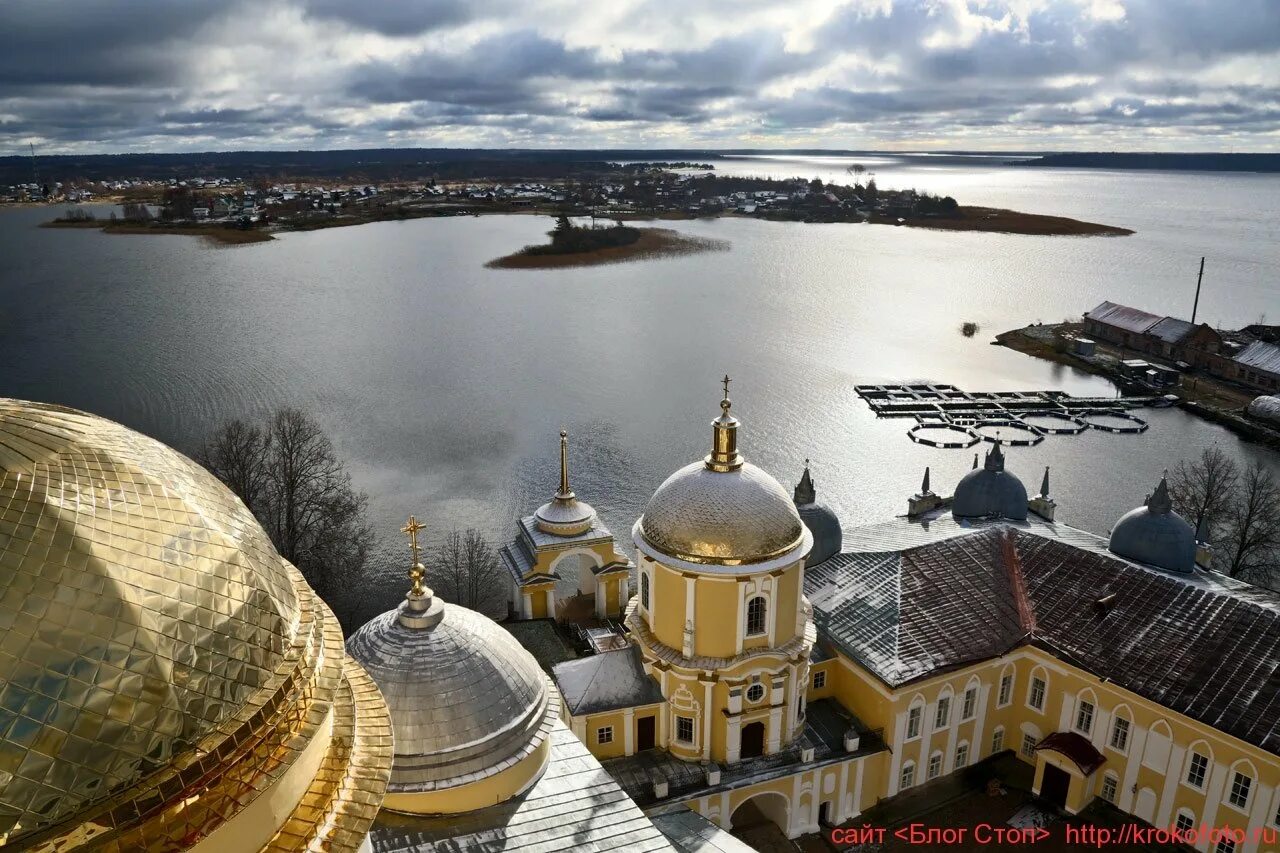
289,476
465,571
1252,541
1202,490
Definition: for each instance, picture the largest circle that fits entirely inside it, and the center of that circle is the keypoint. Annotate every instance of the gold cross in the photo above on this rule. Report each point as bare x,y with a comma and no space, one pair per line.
412,529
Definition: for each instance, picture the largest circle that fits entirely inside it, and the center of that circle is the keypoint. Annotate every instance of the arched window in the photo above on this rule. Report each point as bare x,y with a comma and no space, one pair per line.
756,610
644,591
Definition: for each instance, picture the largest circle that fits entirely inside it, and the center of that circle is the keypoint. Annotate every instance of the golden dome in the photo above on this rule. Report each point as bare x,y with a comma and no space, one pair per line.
150,636
722,511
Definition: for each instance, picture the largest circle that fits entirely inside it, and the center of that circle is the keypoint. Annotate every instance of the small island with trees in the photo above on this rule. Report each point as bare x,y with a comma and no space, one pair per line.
588,245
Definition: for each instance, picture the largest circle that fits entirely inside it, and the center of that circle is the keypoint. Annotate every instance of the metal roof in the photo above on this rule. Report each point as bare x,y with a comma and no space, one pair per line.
1261,355
605,682
690,832
1123,317
1202,644
1075,747
575,805
1171,330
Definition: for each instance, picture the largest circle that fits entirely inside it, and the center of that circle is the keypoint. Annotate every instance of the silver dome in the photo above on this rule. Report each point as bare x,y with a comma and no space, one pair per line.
466,699
990,492
1155,534
735,517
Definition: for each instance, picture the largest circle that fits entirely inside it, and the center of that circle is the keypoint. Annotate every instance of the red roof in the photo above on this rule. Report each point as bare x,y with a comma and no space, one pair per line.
1075,747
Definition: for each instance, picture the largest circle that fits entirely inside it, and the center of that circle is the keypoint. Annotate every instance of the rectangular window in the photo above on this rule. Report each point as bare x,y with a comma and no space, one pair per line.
1196,770
1225,845
604,734
1120,734
962,755
684,729
1006,689
820,679
1240,786
1185,823
1084,717
1109,789
908,777
943,715
970,704
935,765
913,723
1036,698
997,741
1028,746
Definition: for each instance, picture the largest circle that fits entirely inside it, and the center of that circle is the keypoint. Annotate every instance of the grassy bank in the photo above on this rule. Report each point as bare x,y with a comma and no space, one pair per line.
1009,222
219,234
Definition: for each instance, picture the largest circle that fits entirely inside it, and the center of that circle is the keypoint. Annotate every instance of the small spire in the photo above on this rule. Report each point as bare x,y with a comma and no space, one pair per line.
924,485
565,493
1202,530
995,458
805,492
417,572
1044,484
724,454
975,461
1159,501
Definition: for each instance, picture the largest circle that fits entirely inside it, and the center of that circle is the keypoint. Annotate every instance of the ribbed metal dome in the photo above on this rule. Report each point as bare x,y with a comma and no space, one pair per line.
735,517
1155,534
142,608
990,492
828,537
466,699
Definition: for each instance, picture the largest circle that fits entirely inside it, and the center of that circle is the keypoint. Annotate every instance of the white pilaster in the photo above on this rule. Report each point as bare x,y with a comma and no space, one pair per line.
628,728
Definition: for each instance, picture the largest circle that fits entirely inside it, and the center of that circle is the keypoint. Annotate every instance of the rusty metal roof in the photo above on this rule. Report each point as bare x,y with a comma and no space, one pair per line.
1075,747
1201,645
1124,317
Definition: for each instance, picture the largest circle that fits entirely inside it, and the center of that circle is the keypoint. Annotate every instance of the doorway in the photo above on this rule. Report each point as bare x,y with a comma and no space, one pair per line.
824,814
1054,785
646,733
752,740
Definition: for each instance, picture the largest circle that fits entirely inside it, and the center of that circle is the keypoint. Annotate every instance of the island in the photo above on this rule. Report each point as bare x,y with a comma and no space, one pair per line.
584,245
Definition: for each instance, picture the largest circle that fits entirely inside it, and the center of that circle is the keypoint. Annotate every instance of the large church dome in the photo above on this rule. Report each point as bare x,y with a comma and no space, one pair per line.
722,511
990,491
1155,534
470,707
148,631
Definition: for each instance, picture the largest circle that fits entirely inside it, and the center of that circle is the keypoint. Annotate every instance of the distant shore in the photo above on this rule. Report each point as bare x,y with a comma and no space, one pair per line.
221,235
652,243
1000,221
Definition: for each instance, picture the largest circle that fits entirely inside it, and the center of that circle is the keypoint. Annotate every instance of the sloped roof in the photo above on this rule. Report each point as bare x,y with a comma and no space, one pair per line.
1171,330
1261,355
1123,317
606,682
1201,645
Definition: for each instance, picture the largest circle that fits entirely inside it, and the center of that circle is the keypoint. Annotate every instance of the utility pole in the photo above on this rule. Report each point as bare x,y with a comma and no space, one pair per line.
35,166
1196,306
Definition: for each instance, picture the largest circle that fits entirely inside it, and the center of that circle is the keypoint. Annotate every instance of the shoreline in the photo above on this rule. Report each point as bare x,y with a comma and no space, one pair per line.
1208,398
652,243
1001,221
220,235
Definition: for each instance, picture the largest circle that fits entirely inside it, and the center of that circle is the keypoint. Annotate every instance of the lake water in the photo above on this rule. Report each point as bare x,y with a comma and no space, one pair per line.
444,383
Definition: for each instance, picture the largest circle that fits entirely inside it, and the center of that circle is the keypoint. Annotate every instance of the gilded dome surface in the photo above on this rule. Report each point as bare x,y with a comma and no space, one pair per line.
735,517
142,608
466,699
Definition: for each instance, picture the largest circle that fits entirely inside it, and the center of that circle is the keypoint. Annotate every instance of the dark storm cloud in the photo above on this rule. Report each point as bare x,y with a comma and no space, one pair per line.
113,74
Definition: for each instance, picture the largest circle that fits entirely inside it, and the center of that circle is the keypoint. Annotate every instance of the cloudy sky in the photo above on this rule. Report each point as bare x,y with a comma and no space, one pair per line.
128,75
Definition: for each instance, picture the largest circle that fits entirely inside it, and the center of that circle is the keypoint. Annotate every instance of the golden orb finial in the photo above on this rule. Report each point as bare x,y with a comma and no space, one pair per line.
417,572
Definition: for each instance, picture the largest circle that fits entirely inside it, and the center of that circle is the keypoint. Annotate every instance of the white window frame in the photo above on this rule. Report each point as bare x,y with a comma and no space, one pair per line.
1250,787
764,616
693,730
754,686
969,703
1114,781
1031,692
604,734
998,733
934,770
962,754
907,776
914,713
1204,774
942,712
1083,706
1226,844
1027,749
645,591
1184,812
1005,696
819,679
1115,726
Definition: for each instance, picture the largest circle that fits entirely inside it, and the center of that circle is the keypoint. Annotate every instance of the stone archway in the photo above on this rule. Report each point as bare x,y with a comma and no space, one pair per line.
576,589
763,821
